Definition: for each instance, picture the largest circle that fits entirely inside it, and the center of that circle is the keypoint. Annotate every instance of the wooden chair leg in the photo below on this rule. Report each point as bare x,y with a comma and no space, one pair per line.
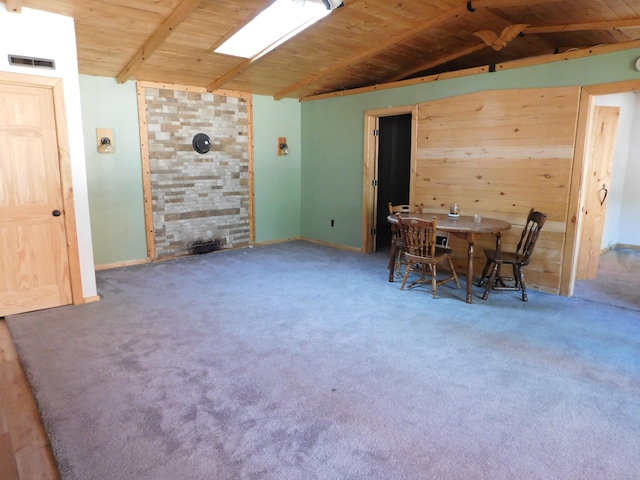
406,275
398,264
392,256
490,281
525,298
425,270
453,272
485,270
499,279
434,281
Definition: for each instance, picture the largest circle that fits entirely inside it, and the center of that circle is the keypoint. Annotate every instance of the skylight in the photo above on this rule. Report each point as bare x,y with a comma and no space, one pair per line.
281,21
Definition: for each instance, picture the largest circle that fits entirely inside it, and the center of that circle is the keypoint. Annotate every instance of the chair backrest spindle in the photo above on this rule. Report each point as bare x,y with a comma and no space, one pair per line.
530,234
404,209
419,235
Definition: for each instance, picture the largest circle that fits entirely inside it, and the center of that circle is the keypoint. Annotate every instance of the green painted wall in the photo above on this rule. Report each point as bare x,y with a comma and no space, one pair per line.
114,180
333,134
277,178
321,178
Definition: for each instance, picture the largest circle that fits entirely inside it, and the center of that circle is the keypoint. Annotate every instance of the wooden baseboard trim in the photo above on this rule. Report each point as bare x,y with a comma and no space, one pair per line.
274,242
95,298
128,263
256,244
625,245
319,242
617,246
334,245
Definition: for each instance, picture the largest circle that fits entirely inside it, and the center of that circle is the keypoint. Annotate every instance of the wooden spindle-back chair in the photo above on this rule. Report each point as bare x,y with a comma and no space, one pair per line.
422,253
492,277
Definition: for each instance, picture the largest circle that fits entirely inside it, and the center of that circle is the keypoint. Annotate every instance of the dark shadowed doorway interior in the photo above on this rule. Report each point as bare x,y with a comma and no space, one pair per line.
394,171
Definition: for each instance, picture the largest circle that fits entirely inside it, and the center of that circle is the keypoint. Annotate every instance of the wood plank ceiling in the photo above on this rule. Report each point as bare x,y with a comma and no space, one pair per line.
363,43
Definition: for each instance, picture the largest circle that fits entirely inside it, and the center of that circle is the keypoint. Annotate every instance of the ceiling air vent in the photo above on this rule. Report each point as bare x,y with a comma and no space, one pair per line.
32,62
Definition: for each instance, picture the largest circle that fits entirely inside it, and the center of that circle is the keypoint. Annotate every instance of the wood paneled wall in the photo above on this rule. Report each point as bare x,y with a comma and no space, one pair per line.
498,154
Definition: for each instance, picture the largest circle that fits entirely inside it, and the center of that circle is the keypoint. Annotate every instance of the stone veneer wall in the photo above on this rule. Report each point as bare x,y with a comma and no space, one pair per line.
198,196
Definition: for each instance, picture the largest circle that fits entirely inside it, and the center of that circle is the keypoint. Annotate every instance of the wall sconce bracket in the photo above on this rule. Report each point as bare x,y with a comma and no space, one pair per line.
283,147
104,137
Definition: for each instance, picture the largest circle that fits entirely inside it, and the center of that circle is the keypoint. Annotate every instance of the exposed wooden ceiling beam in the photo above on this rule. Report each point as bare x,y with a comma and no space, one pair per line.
608,25
475,4
14,6
439,61
182,11
406,36
578,27
511,64
626,23
382,47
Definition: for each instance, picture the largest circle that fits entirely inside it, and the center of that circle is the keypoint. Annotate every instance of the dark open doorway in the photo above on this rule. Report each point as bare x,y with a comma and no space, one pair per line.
394,171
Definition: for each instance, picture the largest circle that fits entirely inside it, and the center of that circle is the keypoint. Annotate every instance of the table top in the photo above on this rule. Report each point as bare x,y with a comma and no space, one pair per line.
461,224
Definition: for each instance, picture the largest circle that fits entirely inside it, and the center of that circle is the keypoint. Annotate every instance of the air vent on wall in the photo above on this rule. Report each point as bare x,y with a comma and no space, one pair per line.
32,62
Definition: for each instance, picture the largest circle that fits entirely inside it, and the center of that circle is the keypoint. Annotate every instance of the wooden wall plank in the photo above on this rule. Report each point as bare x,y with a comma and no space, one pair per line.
184,9
146,172
500,153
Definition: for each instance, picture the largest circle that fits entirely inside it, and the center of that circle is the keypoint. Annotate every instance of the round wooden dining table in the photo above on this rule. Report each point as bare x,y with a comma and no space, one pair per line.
464,226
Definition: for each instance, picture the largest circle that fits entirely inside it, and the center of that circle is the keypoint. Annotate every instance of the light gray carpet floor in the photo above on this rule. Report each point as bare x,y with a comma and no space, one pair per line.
300,361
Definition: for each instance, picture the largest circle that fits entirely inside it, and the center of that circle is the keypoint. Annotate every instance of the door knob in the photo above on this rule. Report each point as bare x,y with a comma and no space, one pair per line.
56,213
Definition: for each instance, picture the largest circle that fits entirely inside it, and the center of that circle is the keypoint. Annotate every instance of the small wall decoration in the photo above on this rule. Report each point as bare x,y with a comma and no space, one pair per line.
283,148
201,143
105,140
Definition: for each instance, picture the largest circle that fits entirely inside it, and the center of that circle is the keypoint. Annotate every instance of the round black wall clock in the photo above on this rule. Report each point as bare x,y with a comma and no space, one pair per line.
201,142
